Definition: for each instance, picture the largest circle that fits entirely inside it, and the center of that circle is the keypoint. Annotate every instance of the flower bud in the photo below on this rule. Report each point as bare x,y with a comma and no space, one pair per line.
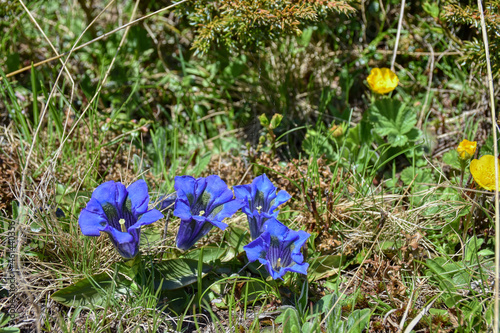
466,149
337,130
263,120
276,120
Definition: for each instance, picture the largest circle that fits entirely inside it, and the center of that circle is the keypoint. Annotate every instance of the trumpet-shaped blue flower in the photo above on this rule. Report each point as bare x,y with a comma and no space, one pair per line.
120,212
261,202
201,204
278,249
166,202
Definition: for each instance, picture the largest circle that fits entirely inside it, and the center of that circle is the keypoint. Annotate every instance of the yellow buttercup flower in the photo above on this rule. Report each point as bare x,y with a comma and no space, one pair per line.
483,171
466,149
382,80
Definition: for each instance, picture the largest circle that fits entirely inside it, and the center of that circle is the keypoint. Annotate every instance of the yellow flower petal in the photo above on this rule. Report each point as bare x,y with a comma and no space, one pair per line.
466,149
483,171
382,80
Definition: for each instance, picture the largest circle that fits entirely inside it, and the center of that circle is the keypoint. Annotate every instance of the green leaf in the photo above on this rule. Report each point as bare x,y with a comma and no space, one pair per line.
305,37
67,195
451,158
4,320
237,237
391,119
211,254
202,163
311,327
431,9
290,320
9,330
176,273
453,300
302,302
486,252
325,304
358,320
420,176
441,273
13,62
94,291
472,247
324,267
151,235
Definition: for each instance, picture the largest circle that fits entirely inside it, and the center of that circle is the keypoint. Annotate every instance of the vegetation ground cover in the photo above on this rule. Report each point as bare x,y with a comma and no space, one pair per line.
358,110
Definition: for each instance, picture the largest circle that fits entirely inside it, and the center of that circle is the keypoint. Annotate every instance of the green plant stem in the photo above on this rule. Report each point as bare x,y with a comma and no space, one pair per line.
462,169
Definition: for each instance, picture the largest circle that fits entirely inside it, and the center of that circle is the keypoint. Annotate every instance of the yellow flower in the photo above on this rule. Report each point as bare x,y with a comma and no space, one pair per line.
382,80
466,149
483,171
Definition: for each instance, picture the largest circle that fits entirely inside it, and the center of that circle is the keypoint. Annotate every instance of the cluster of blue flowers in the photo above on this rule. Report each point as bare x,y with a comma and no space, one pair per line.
200,203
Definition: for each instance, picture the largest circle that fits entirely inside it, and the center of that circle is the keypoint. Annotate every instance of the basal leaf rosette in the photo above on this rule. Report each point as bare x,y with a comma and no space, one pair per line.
120,212
483,171
201,204
278,248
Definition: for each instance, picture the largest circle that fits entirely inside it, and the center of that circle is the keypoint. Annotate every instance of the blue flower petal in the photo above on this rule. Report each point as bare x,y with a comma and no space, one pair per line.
218,193
301,239
202,203
263,192
274,274
92,219
245,209
255,249
118,236
256,223
182,209
297,268
126,243
60,213
276,228
243,192
280,199
111,192
279,249
220,225
190,232
111,204
139,197
228,210
147,218
185,186
261,202
201,185
202,219
166,201
264,185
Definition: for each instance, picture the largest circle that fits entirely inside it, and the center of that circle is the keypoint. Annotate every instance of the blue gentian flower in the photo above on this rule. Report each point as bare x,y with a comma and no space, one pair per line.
201,204
120,212
261,202
166,202
60,212
278,249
